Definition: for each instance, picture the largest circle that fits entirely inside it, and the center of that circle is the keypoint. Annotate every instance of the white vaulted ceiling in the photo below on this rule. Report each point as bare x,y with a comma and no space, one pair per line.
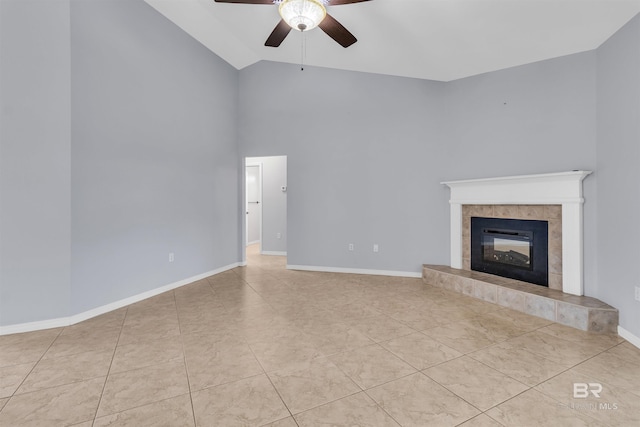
429,39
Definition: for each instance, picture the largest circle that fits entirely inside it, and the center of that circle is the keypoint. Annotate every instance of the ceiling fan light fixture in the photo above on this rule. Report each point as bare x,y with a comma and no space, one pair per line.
303,15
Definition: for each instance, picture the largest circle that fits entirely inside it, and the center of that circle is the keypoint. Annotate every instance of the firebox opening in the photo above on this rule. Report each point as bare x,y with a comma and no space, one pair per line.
516,249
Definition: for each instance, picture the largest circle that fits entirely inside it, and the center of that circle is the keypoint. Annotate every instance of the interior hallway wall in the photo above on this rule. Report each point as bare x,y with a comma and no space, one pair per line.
367,152
118,146
154,158
363,153
536,118
35,170
618,175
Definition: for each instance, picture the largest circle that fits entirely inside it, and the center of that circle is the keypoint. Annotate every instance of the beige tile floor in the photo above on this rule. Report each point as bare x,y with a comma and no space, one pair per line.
263,346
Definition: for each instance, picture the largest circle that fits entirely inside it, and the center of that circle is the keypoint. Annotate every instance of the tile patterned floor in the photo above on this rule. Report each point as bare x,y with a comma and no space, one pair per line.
263,346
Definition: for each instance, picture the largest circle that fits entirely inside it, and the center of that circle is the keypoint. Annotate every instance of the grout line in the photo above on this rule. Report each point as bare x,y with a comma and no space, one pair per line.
31,370
264,372
184,359
106,378
351,298
332,401
458,396
280,396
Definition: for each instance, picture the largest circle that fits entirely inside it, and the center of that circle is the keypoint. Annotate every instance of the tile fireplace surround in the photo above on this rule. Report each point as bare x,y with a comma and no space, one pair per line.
550,213
556,198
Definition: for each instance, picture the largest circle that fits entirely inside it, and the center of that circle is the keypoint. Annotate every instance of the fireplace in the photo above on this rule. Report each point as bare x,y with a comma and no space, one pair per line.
513,248
562,189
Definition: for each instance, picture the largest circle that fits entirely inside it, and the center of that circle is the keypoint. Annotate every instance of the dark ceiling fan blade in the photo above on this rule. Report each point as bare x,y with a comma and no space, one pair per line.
337,31
246,1
339,2
278,34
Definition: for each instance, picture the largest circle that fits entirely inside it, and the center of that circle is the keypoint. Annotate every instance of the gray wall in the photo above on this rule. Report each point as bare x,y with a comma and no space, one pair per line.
274,202
536,118
154,158
118,146
123,145
34,160
367,152
364,163
619,173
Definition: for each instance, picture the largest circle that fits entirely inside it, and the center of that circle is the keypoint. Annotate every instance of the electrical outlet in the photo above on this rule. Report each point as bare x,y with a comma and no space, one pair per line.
637,293
171,257
375,247
278,235
351,247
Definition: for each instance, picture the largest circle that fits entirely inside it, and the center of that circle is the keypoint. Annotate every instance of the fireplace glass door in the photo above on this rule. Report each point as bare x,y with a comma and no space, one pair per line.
513,248
508,247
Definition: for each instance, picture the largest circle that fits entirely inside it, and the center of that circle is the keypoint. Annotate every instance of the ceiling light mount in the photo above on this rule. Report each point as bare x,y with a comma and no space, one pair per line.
303,15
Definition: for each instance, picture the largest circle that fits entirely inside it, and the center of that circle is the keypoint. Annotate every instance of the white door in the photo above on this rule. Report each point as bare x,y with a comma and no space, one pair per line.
254,203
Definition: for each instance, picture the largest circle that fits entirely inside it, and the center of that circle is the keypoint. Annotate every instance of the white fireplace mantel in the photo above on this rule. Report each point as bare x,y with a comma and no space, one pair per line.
564,188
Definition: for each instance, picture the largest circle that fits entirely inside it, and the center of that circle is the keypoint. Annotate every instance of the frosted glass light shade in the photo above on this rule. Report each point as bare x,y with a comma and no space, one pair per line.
302,15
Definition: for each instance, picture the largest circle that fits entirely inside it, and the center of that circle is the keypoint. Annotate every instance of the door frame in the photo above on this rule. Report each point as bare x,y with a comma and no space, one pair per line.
246,203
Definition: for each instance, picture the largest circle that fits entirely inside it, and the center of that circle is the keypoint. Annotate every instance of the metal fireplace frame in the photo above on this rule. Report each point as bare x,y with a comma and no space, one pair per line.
536,233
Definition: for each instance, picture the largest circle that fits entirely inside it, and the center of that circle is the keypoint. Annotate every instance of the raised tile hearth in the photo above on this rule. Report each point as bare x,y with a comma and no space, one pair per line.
580,312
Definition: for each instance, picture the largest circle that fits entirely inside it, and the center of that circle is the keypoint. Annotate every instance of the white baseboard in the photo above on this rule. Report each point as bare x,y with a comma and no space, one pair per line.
72,320
253,243
355,271
277,253
629,336
35,326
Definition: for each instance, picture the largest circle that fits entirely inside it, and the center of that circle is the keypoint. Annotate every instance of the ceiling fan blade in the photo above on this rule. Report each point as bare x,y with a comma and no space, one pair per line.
339,2
337,31
278,34
246,1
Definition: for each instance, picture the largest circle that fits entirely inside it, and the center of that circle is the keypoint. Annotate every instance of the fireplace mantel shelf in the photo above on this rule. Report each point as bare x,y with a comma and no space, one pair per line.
536,177
563,188
549,188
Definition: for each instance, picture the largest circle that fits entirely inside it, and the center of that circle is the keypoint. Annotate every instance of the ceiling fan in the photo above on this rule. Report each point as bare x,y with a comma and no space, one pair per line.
304,15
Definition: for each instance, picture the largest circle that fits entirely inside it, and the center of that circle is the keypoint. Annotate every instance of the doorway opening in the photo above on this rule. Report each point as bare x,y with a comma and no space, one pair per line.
253,193
265,206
